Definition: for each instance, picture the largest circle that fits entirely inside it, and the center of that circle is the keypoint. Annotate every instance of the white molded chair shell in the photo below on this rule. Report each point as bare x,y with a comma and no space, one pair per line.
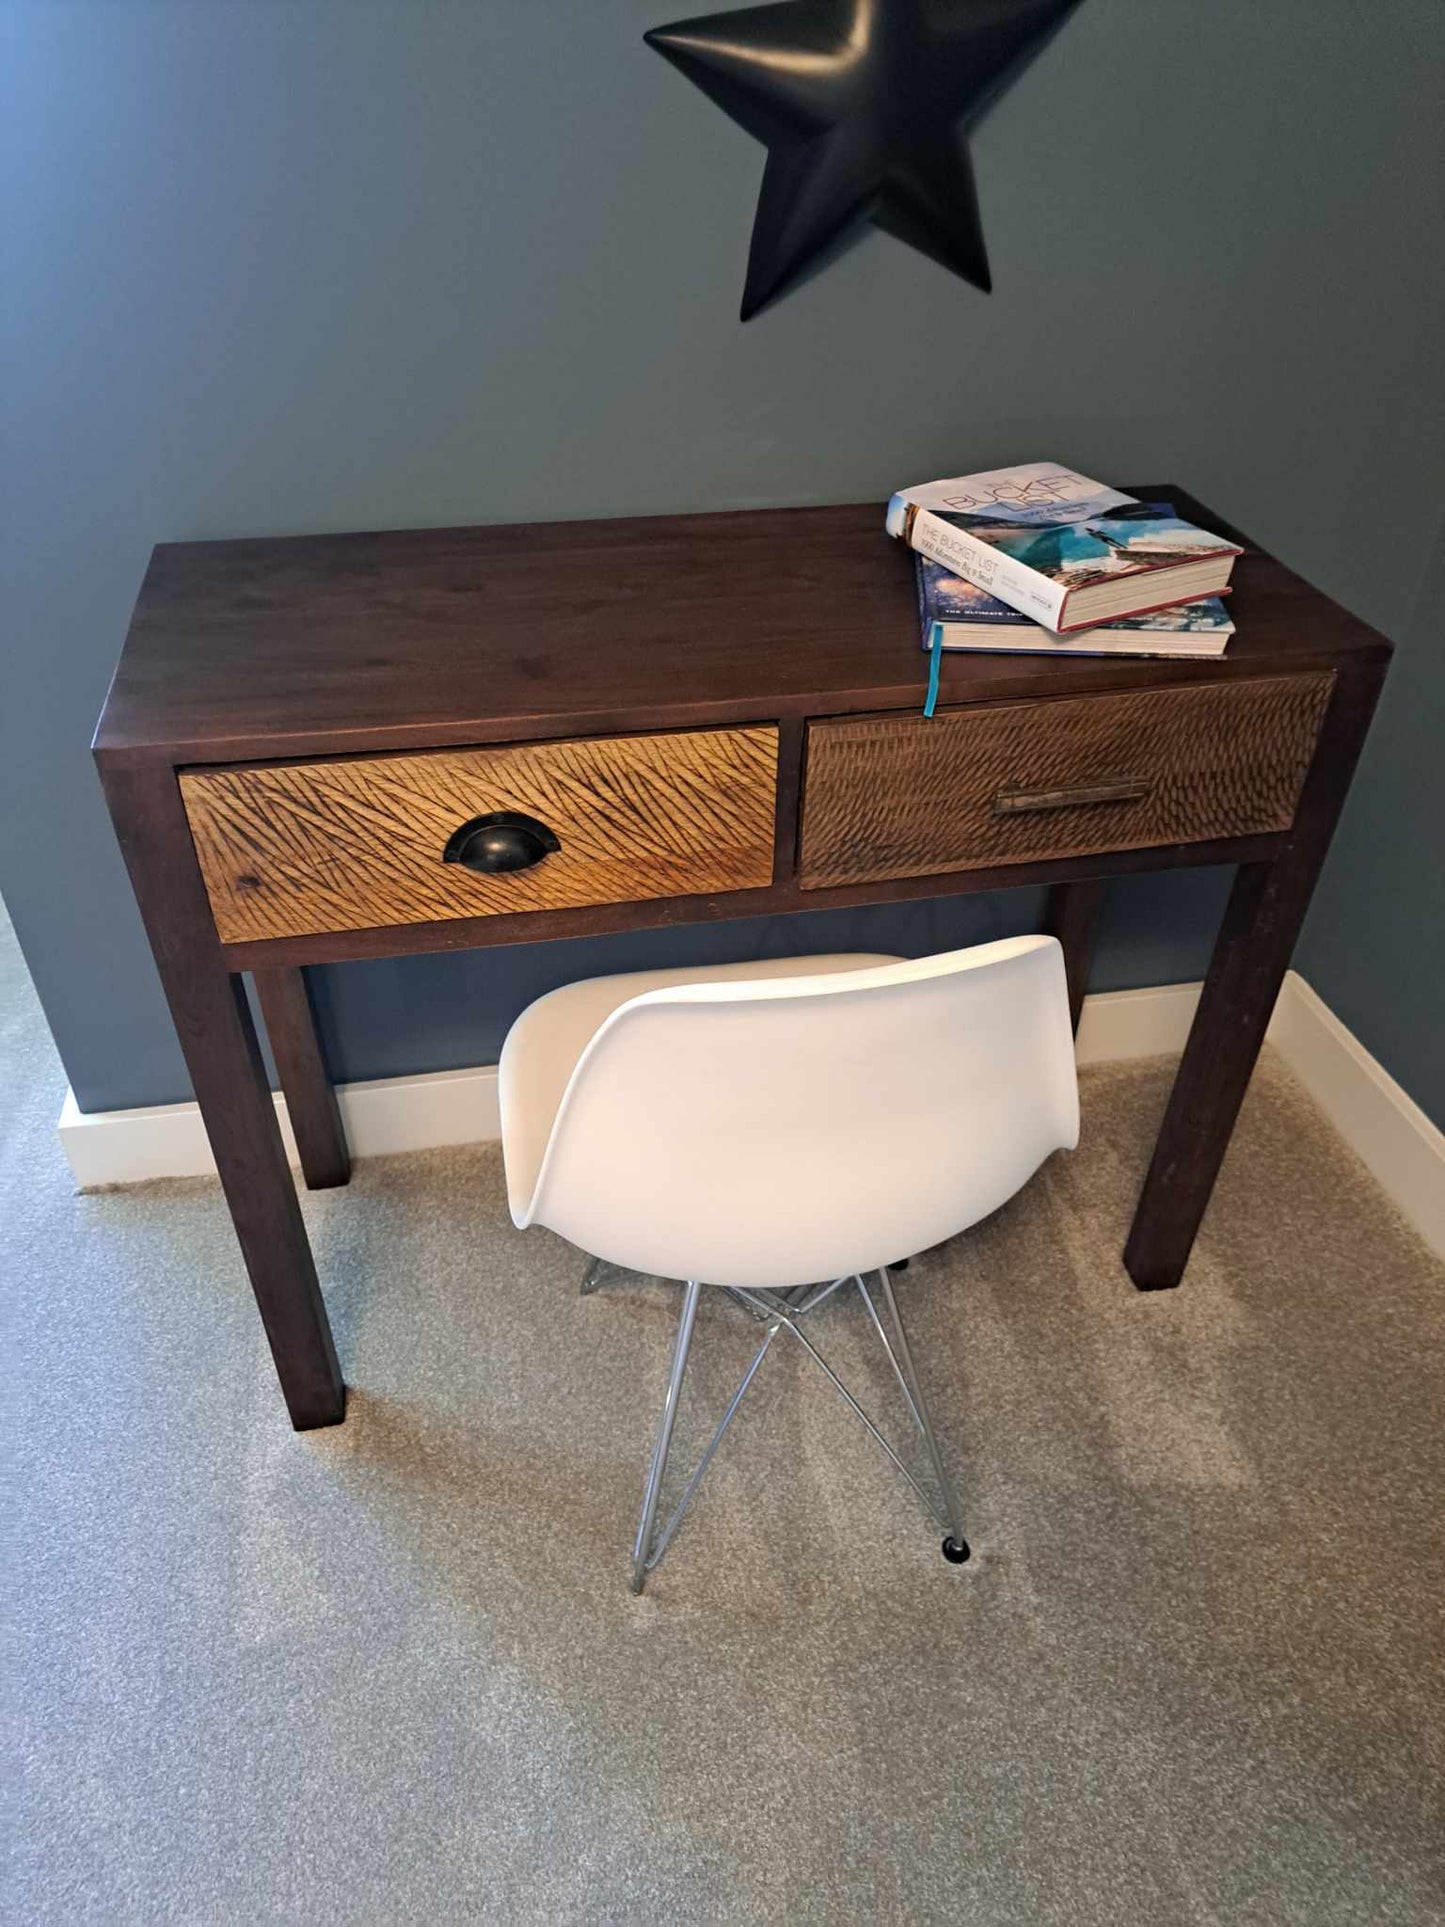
778,1123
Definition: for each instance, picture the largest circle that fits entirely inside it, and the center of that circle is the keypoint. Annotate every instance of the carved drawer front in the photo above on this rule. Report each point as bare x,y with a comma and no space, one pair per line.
900,796
297,849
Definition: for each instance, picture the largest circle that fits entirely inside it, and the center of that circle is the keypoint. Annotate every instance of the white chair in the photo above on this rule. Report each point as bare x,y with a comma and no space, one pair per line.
763,1127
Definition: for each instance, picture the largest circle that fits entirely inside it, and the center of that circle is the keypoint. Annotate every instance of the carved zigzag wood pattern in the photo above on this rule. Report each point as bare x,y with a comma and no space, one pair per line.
356,843
898,797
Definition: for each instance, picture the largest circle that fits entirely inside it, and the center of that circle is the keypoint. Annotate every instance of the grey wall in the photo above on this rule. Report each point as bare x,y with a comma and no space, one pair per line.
287,267
1374,943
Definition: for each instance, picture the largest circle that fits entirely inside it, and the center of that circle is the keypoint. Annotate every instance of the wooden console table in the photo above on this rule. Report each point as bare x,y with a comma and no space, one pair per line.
709,716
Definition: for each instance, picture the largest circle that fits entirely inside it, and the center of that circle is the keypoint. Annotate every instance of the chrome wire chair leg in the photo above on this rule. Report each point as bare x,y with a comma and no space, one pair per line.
802,1298
898,1371
815,1295
664,1435
778,1311
597,1269
785,1317
664,1538
955,1546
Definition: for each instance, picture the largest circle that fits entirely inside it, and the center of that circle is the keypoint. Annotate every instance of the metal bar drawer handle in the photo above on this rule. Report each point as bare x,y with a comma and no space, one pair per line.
1021,802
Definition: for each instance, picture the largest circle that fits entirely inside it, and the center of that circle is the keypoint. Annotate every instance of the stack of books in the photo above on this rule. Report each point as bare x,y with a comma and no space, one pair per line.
1038,560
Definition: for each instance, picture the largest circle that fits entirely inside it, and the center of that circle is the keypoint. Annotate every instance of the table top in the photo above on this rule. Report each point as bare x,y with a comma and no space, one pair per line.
328,644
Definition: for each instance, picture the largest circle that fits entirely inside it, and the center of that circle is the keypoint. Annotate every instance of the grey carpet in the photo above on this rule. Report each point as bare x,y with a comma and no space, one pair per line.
393,1672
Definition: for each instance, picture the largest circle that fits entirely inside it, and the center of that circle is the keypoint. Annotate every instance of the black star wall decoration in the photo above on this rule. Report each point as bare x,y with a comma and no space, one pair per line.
864,107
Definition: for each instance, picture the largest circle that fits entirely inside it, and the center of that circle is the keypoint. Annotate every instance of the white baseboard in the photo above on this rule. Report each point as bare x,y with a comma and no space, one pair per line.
1387,1130
383,1115
1135,1023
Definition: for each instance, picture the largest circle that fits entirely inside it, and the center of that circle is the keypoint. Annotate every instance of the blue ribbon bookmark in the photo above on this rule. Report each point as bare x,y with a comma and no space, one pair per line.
935,663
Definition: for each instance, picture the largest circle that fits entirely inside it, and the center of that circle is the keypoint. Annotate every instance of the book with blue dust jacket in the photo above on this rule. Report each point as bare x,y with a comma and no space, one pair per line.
956,615
1067,552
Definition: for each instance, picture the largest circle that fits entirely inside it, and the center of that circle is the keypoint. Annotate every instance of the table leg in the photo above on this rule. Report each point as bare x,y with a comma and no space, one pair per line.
1072,915
1251,954
310,1095
213,1022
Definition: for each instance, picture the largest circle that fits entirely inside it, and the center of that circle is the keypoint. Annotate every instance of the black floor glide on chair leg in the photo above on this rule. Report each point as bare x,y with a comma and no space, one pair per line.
955,1551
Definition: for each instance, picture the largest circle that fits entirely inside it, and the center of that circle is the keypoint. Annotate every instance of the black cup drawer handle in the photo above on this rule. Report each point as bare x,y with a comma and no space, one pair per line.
502,841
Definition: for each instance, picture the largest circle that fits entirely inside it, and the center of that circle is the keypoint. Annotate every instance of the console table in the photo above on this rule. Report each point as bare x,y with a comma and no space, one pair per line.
330,747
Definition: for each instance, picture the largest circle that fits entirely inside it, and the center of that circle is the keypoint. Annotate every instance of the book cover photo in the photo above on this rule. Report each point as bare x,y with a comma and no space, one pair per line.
1124,541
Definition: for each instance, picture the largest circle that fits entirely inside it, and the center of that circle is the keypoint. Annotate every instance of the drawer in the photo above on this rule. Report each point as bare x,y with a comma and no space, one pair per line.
902,796
297,849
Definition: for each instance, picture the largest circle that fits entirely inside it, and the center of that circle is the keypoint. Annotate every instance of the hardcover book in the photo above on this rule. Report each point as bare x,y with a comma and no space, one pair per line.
956,615
1065,551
